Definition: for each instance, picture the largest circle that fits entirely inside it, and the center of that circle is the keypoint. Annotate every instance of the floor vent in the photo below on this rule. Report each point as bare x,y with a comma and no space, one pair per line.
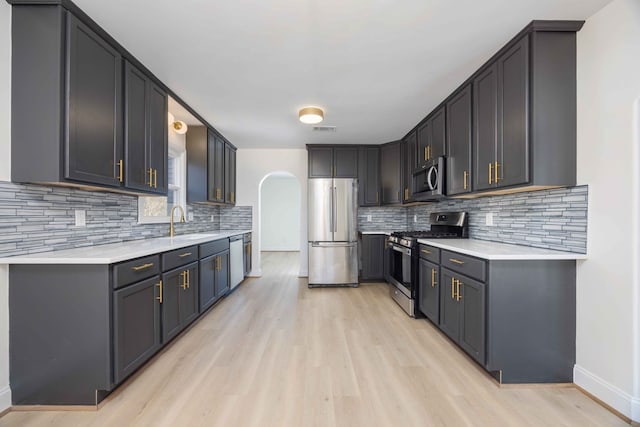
324,128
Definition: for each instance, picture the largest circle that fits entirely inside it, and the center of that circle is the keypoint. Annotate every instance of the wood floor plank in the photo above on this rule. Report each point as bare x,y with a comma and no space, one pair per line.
276,353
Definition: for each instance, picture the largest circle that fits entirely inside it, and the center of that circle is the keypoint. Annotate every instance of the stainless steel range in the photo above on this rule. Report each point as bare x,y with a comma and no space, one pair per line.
402,271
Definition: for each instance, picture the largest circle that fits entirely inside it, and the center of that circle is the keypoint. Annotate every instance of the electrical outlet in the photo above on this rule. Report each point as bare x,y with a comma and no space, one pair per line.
81,218
190,216
488,219
211,218
415,218
368,218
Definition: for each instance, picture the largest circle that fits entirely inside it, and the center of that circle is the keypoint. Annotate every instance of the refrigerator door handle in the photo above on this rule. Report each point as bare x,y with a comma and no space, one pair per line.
335,209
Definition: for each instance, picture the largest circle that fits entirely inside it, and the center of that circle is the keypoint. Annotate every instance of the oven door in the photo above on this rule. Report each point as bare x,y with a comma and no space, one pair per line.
400,268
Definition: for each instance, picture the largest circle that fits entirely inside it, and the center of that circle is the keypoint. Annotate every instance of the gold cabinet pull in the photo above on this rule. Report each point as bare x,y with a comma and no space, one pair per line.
425,251
456,261
120,171
150,177
453,292
184,254
142,267
406,194
429,154
159,298
377,197
426,153
490,173
188,279
155,178
465,176
433,278
184,280
495,171
458,296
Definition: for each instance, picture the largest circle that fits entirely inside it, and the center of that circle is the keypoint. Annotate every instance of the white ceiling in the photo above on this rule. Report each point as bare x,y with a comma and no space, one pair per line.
377,67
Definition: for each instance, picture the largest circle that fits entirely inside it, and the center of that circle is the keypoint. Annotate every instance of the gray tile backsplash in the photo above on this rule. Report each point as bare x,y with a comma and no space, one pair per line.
36,218
553,219
392,218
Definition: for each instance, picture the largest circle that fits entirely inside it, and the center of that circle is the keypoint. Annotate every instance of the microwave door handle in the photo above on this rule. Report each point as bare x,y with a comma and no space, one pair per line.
432,170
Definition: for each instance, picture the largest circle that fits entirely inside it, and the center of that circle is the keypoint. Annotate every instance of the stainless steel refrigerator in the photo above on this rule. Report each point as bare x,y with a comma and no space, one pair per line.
333,237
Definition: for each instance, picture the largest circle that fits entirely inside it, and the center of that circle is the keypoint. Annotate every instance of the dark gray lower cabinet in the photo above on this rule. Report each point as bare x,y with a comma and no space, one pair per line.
463,312
179,299
222,274
372,252
429,290
136,329
214,279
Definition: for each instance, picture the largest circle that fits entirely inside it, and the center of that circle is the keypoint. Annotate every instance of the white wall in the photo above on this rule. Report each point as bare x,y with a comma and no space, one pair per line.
607,283
280,213
252,166
5,175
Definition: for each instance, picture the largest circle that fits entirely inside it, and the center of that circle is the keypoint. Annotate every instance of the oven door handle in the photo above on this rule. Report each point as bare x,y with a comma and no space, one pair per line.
401,250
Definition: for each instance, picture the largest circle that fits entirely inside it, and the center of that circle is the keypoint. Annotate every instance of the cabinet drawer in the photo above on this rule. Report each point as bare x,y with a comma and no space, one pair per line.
469,266
430,253
211,248
175,259
135,270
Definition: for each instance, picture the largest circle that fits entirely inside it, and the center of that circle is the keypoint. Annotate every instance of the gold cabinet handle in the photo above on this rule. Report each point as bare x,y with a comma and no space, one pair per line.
184,280
406,194
433,278
142,267
490,173
188,279
453,292
184,254
465,176
496,175
456,261
425,251
150,177
458,296
377,197
159,298
120,171
429,154
155,178
426,153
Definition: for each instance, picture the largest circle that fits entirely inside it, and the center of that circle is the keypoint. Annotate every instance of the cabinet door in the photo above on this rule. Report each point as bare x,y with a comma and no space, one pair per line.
189,307
409,165
459,142
136,326
423,138
373,256
207,282
449,307
222,274
157,144
429,290
438,134
320,162
94,149
390,173
513,115
230,175
136,176
472,327
485,127
369,176
216,168
345,162
172,283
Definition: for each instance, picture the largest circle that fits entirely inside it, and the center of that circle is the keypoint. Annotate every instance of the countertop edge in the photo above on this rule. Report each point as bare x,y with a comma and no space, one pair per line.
164,245
548,254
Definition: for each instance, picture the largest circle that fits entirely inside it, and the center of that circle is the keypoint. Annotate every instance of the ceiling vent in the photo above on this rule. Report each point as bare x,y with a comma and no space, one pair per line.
324,128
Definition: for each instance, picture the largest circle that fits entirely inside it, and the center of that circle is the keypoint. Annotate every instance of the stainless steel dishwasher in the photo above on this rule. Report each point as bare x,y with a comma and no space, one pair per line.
236,260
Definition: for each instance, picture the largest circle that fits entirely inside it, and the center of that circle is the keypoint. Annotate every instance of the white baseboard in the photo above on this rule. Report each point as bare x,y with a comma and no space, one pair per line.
256,272
5,398
618,399
303,273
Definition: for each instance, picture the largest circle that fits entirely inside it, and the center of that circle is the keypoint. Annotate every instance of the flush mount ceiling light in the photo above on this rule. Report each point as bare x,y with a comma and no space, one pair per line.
179,127
311,115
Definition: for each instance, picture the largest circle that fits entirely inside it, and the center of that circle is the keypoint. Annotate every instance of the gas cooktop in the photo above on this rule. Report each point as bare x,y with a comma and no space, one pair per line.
426,234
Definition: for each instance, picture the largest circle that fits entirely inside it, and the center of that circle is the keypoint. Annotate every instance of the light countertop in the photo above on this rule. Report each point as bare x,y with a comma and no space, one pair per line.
375,232
116,252
499,251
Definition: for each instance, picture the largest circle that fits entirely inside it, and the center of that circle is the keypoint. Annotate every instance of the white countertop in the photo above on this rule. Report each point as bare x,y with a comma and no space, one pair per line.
376,232
499,251
116,252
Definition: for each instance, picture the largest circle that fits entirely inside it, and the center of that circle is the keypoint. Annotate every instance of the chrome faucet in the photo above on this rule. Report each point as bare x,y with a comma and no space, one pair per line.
171,227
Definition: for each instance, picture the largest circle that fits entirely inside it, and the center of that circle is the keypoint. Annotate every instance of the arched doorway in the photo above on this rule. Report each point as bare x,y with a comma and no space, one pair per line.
279,212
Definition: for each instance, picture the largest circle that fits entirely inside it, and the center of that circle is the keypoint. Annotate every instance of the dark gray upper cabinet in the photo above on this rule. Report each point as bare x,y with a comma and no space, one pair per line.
369,176
409,164
372,257
145,133
485,126
229,174
197,164
136,326
216,168
390,173
431,135
459,142
328,161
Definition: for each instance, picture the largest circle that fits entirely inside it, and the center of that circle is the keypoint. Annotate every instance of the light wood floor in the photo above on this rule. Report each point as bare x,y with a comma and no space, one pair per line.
275,353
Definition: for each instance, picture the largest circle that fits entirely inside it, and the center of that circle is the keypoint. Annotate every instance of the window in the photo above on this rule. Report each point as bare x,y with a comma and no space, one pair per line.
156,209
